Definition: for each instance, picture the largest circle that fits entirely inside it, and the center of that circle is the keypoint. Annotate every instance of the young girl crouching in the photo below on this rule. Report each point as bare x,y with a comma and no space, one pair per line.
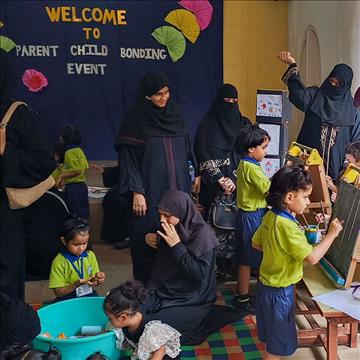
284,248
150,340
75,271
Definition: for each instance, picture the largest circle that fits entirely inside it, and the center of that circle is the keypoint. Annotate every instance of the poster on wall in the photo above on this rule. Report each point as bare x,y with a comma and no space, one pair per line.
81,61
270,166
274,145
269,105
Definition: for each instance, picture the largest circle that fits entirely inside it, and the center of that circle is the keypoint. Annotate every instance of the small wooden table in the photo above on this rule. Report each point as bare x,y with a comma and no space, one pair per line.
314,283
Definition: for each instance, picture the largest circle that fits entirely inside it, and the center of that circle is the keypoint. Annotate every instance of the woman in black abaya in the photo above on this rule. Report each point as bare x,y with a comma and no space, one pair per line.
214,145
182,288
26,161
153,153
329,112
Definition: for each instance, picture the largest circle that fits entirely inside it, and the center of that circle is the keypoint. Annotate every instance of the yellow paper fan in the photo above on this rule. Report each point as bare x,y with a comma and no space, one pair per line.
186,22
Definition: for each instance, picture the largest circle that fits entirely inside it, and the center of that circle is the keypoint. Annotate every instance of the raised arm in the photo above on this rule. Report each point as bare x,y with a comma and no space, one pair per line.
299,95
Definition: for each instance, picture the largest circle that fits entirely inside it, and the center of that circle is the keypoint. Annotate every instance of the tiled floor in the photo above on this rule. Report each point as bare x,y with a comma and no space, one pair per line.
117,266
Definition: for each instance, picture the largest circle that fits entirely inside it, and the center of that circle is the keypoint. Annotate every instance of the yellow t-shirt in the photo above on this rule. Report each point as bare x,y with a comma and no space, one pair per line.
251,186
284,248
63,274
75,160
57,172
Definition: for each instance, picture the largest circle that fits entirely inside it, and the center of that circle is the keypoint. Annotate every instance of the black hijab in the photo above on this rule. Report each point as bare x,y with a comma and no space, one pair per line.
28,158
193,231
145,119
19,323
334,105
220,126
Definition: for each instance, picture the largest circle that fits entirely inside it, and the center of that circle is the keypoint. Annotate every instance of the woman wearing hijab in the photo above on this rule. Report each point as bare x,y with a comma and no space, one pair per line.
214,144
182,288
26,162
153,153
329,112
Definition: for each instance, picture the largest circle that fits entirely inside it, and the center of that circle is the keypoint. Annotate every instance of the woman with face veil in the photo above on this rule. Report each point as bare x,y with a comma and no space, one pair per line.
215,142
329,112
153,153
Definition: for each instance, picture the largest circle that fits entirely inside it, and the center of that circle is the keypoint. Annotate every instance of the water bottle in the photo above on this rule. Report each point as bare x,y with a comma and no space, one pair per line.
191,171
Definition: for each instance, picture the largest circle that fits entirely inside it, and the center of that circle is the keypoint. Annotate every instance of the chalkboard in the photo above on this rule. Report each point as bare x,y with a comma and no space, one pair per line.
343,249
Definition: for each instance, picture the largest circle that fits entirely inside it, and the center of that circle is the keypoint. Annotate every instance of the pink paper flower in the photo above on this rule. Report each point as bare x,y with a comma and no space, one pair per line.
34,80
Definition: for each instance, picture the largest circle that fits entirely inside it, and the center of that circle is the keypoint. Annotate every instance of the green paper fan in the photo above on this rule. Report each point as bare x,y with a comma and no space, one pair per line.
6,43
173,39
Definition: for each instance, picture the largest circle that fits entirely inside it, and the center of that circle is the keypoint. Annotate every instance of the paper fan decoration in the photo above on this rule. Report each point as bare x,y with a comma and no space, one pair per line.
34,80
186,22
202,9
172,39
6,43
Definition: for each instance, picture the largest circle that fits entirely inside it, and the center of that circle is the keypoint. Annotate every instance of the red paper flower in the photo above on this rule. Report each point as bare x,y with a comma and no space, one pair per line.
34,80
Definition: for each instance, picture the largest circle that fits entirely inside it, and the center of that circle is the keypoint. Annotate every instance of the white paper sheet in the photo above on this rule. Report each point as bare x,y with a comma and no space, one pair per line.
341,300
274,132
97,192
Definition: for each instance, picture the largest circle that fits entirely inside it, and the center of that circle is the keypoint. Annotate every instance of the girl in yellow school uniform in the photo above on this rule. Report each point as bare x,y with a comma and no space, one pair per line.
285,248
73,172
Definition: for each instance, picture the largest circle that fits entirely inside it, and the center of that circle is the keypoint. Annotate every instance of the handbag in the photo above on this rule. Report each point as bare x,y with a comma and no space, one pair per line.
223,211
5,120
21,197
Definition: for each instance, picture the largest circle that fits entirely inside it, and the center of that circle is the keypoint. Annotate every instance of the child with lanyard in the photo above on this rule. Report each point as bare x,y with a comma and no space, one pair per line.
75,271
73,172
252,186
284,248
149,339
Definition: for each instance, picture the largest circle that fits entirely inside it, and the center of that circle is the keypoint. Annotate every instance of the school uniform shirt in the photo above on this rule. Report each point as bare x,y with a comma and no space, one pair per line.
75,160
284,248
252,185
63,274
57,172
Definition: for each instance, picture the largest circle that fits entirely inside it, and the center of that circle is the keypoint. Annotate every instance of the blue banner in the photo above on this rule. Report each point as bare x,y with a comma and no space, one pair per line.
80,61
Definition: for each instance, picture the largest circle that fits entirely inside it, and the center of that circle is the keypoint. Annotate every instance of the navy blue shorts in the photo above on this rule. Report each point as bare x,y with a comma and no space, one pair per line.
275,319
247,222
76,195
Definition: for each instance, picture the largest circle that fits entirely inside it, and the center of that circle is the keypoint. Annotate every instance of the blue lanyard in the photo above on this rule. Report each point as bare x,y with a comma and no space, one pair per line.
72,259
250,160
284,214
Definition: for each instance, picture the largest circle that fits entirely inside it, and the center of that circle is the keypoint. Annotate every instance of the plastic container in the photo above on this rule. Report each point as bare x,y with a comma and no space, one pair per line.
313,234
69,317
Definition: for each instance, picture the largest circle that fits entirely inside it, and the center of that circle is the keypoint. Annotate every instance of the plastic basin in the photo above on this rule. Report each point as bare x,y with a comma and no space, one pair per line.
68,317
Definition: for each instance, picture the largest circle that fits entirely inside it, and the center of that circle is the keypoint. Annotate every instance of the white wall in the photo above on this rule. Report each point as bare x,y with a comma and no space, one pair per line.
337,24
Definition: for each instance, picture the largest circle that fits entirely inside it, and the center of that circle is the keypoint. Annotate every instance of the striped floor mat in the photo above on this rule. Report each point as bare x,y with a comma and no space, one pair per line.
233,342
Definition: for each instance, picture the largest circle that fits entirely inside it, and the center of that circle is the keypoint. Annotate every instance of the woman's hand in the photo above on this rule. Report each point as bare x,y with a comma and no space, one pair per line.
333,196
150,239
331,184
196,185
139,204
286,57
170,236
229,186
